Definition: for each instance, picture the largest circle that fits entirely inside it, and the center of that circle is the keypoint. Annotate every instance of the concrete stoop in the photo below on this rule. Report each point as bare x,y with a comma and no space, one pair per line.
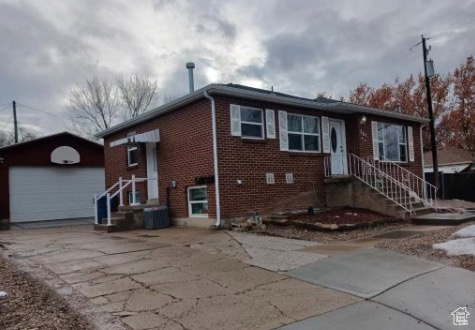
352,192
121,221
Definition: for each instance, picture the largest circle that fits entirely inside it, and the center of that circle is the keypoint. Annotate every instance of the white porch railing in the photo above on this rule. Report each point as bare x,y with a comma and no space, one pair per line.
118,189
425,190
380,181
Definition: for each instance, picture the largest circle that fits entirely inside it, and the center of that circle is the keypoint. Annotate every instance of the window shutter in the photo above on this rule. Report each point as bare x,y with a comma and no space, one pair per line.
235,120
374,128
270,123
410,140
283,136
326,135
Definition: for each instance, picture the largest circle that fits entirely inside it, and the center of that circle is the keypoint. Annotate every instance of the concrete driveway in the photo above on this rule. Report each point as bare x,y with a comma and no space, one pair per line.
189,278
176,278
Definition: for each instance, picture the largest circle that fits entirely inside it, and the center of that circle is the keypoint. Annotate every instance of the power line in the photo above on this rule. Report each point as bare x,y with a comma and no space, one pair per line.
5,107
8,123
46,112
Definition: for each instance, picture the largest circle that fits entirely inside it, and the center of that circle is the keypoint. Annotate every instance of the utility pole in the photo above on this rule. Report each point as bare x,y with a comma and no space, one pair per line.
433,143
15,123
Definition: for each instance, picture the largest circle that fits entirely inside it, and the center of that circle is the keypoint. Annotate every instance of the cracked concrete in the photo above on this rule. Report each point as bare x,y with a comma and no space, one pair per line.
276,253
178,278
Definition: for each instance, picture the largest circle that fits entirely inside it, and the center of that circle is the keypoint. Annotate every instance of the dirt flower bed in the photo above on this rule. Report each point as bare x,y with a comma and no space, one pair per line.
344,215
326,237
31,305
421,246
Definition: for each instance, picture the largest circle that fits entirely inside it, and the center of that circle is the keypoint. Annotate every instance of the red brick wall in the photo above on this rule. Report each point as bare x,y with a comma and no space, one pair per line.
38,153
184,153
250,160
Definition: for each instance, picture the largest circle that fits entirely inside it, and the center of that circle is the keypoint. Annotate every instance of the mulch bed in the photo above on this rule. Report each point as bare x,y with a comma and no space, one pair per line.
345,215
32,305
327,236
340,219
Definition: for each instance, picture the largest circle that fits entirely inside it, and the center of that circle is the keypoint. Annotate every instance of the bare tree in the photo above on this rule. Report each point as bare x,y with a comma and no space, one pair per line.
94,106
102,102
7,138
136,94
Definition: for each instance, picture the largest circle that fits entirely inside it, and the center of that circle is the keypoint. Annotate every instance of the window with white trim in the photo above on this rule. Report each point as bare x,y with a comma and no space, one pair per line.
136,200
198,201
252,123
132,156
303,132
392,142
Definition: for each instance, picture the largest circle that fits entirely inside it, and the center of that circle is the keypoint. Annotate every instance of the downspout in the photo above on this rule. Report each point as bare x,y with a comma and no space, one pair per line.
215,159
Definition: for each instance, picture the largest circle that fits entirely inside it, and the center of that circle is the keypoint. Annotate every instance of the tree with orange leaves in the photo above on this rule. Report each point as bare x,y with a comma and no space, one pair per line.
453,98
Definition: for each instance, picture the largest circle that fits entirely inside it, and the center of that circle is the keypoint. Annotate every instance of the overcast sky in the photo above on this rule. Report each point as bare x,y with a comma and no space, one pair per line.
300,47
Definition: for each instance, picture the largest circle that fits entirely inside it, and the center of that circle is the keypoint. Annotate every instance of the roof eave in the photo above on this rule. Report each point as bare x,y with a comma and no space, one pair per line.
338,107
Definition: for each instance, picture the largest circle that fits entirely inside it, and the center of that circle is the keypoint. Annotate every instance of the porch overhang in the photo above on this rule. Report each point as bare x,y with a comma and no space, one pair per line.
147,137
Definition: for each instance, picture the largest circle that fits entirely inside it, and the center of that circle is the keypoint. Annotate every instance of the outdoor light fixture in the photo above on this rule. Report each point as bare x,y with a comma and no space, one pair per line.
363,120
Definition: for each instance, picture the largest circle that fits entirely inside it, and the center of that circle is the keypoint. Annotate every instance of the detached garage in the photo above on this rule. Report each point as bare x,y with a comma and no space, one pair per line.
50,178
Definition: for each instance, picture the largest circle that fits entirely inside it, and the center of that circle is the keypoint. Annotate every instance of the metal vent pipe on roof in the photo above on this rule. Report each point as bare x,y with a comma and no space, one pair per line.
190,66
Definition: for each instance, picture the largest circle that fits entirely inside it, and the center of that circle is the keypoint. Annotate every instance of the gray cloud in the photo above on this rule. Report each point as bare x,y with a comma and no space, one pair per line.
301,47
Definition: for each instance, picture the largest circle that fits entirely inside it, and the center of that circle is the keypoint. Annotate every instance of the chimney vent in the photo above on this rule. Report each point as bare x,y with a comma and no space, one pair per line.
190,66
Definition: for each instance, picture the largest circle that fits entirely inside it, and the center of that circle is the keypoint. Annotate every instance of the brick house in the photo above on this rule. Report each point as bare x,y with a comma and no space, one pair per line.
262,151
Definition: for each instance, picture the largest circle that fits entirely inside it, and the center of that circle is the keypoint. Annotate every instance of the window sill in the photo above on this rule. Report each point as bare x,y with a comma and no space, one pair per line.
305,154
255,141
132,167
403,164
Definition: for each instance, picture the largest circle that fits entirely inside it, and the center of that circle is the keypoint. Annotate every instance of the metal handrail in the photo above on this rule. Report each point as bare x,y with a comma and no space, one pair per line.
425,190
122,184
380,181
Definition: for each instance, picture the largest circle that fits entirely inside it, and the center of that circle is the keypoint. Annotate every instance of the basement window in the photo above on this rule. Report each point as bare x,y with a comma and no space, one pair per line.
198,201
132,156
134,200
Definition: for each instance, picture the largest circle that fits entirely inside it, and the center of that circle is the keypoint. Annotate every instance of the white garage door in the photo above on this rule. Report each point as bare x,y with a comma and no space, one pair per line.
47,193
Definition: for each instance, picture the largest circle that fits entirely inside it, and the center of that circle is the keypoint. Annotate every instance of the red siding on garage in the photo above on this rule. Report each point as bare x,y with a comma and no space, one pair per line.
37,153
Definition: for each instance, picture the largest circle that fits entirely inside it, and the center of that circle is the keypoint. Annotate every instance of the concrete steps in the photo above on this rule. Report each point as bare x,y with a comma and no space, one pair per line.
443,219
120,221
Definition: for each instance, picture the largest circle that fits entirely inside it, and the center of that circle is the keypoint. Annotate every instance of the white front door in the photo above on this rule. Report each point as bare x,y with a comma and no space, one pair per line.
339,165
152,170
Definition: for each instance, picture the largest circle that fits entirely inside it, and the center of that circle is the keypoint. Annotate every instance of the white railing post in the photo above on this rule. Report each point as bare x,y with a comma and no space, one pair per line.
96,218
121,193
109,209
133,189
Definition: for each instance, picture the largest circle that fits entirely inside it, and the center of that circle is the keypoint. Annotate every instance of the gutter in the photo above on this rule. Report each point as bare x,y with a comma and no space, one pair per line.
218,89
350,108
215,159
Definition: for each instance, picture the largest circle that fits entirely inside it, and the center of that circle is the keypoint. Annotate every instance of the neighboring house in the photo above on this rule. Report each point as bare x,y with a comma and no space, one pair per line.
53,177
269,151
450,160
